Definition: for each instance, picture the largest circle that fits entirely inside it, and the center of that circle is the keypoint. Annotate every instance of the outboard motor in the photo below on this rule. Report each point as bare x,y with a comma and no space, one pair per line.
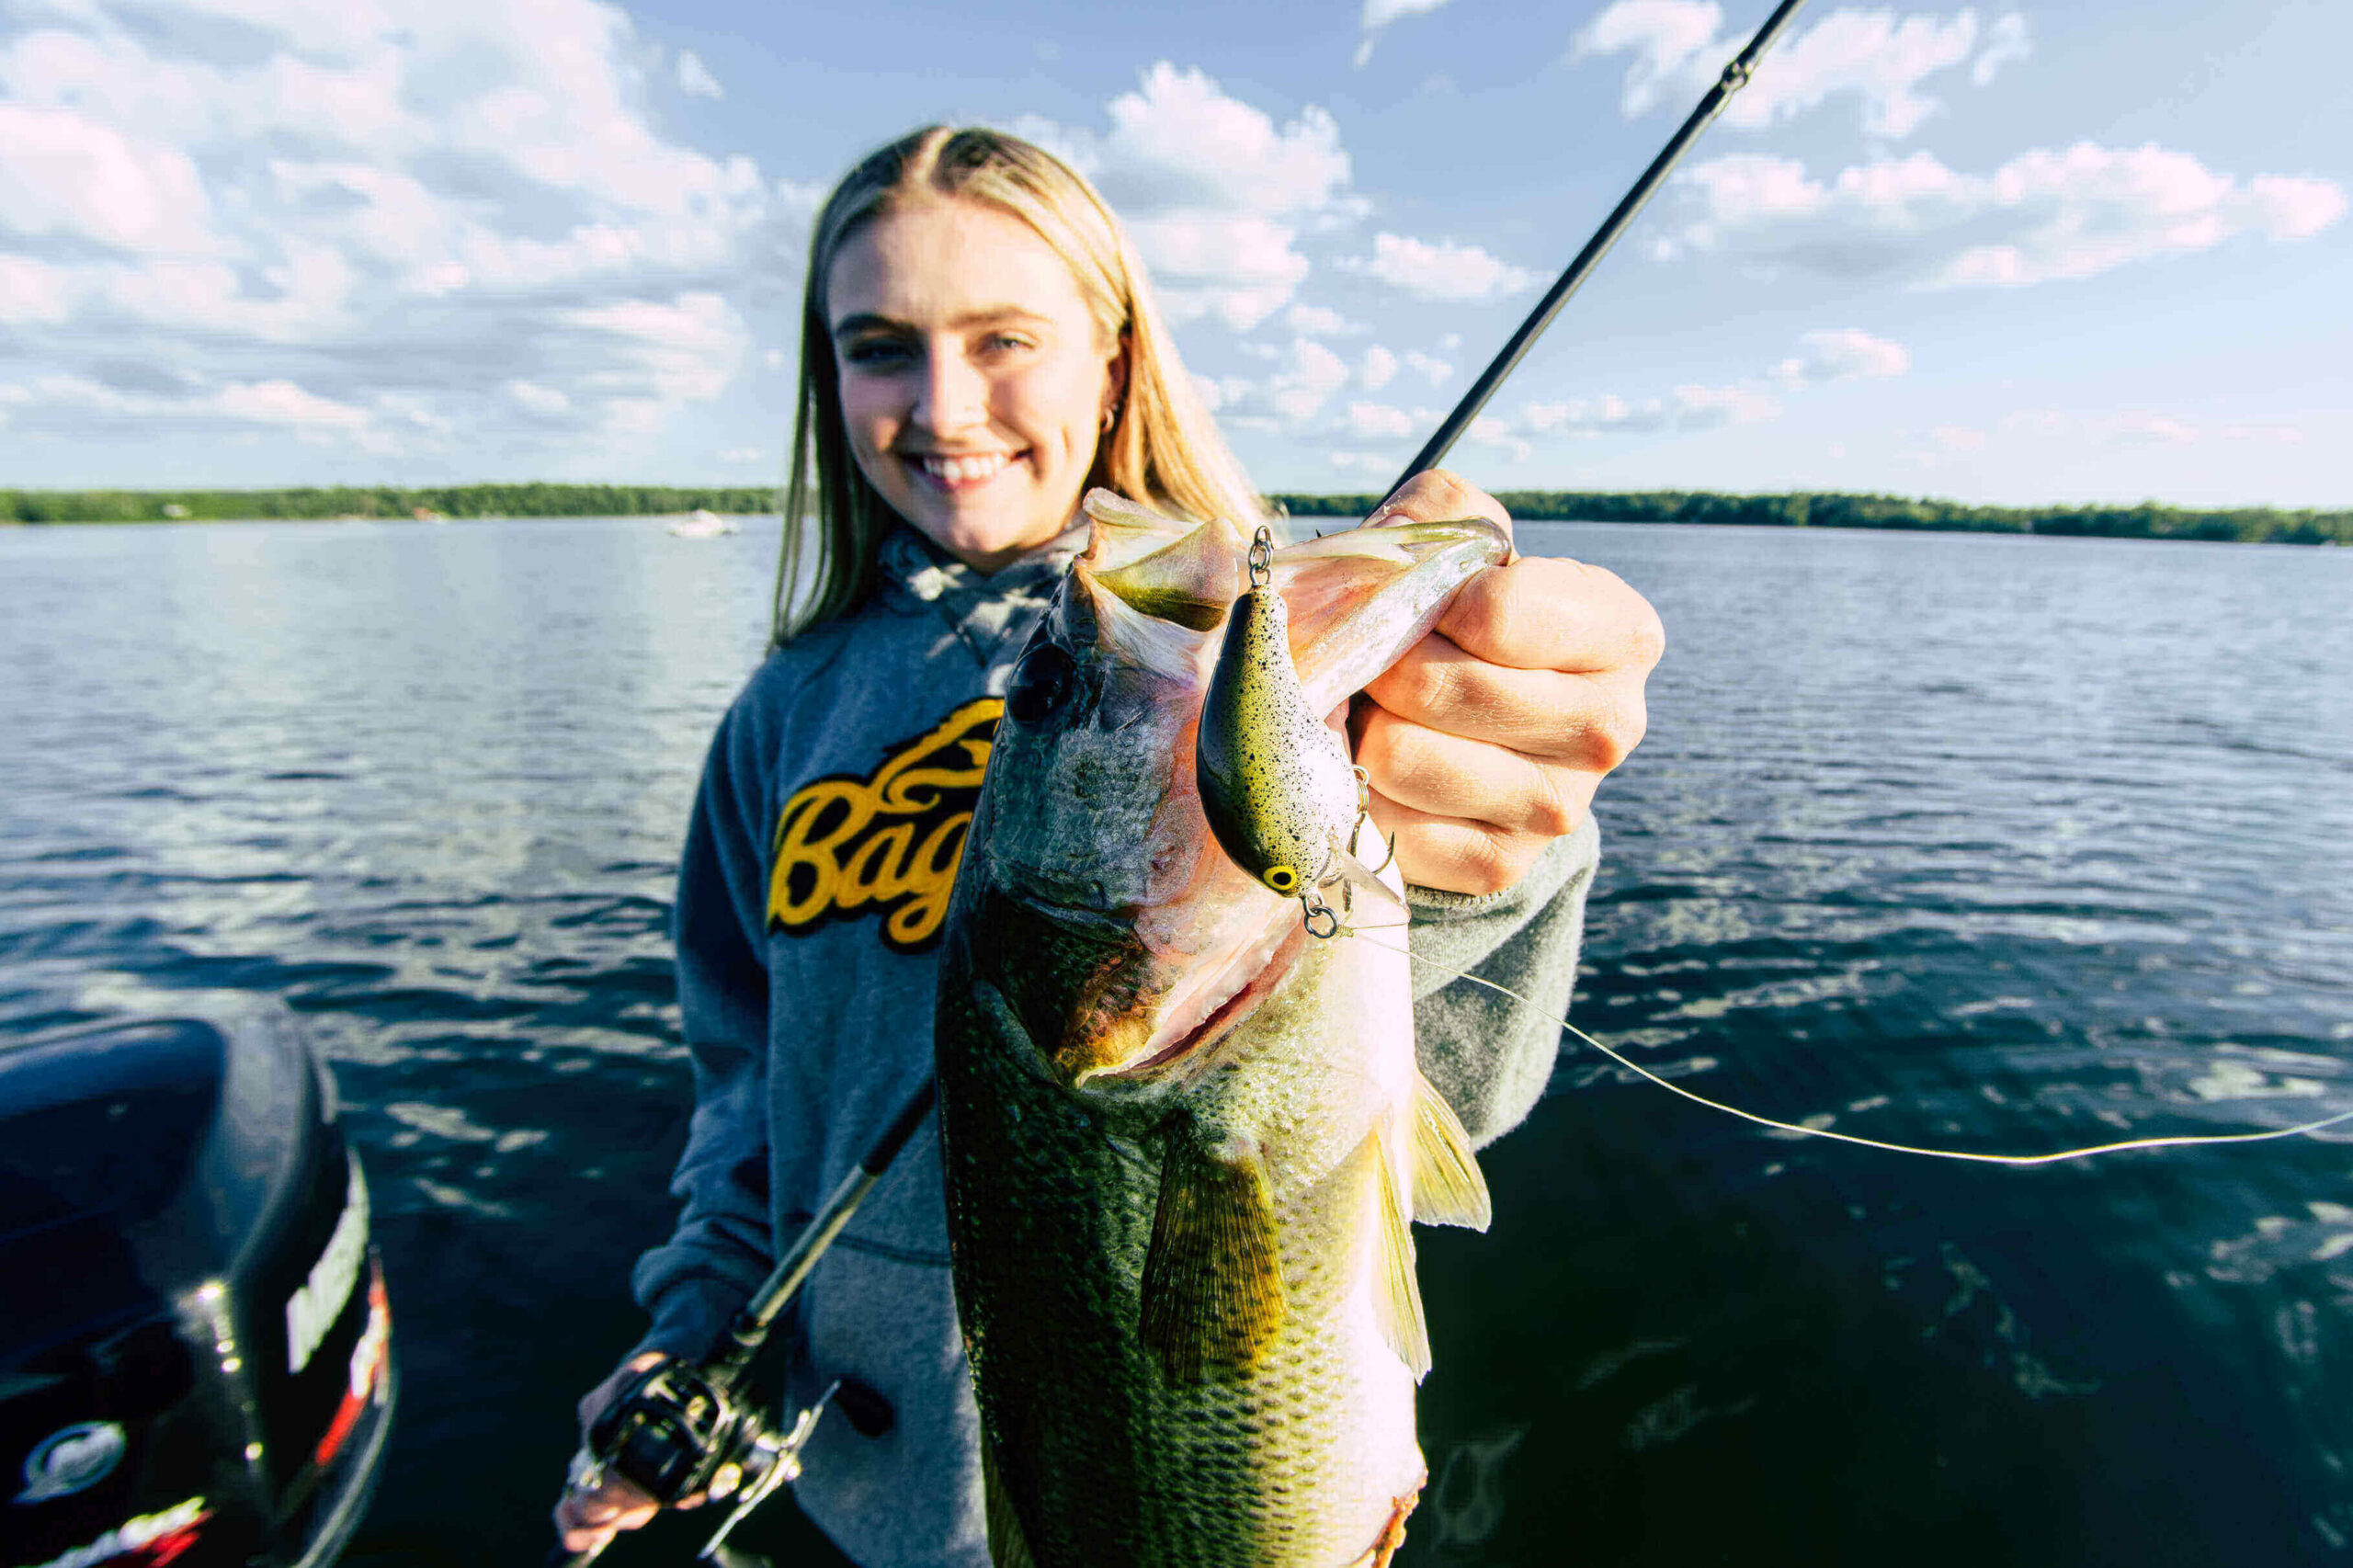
196,1361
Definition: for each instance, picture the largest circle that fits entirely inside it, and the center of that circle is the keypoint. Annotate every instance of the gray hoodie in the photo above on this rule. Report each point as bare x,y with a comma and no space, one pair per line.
810,896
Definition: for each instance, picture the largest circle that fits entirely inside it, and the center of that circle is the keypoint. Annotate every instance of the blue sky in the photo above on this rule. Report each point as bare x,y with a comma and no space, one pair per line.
2085,252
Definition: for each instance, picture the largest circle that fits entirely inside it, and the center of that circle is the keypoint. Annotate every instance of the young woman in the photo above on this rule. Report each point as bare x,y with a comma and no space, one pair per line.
978,348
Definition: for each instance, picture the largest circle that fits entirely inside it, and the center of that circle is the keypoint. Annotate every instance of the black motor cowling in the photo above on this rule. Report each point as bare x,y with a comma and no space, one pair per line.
195,1345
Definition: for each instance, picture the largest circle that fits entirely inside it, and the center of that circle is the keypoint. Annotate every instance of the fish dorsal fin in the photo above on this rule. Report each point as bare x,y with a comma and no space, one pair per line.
1447,1187
1192,582
1396,1295
1009,1548
1213,1280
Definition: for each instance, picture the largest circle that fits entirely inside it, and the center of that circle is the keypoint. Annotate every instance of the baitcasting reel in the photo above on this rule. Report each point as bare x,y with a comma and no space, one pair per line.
675,1431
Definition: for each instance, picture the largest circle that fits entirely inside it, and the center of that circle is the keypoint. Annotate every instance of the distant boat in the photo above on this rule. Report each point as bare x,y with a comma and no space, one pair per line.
699,524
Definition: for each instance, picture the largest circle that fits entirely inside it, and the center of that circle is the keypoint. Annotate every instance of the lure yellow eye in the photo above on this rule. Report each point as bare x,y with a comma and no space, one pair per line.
1282,879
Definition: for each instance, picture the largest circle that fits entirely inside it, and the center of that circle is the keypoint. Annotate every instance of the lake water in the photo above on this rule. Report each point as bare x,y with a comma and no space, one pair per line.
1993,843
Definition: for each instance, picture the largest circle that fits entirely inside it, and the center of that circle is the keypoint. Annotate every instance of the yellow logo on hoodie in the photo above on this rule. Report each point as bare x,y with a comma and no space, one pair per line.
886,844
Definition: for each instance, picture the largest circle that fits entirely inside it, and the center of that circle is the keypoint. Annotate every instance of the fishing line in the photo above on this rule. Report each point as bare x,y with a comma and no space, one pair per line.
2176,1141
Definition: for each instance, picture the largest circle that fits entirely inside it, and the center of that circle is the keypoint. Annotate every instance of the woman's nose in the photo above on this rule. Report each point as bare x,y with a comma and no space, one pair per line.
951,396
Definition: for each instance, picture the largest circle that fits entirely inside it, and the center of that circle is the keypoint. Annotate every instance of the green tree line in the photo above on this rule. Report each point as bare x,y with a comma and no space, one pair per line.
533,500
1803,509
2150,519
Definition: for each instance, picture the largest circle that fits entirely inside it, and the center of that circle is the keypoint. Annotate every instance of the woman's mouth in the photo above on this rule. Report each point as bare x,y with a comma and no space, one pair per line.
959,474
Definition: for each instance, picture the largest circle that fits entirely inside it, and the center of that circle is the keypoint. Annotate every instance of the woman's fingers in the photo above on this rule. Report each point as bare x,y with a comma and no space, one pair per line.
586,1519
1436,495
1585,721
1452,853
1548,613
1453,775
1487,740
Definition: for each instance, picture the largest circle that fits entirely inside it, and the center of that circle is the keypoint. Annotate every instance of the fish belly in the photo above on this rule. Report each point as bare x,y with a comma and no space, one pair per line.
1302,1458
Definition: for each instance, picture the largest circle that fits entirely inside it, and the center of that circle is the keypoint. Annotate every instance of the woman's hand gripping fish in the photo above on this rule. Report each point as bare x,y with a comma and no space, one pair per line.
1182,1138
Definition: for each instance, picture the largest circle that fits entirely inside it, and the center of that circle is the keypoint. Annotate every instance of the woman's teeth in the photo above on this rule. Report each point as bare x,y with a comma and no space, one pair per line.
963,471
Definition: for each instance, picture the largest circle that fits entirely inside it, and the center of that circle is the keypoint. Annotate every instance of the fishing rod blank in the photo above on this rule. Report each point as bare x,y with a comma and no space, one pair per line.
1735,77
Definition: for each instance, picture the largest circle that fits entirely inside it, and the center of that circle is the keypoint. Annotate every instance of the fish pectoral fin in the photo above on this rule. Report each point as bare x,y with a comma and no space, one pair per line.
1009,1548
1448,1186
1212,1279
1396,1294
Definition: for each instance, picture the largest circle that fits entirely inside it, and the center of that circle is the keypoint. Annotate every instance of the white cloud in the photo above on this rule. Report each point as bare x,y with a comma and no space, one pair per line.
1305,375
1442,271
65,175
2127,427
1686,408
1379,14
1380,368
547,403
2279,434
1215,194
60,402
1958,438
360,226
695,79
1321,320
2005,41
1489,431
2043,215
1301,390
283,403
1431,369
1843,354
740,454
1377,421
1878,57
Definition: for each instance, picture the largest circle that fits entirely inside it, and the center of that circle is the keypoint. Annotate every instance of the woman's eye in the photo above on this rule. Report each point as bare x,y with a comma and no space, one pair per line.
1040,683
874,351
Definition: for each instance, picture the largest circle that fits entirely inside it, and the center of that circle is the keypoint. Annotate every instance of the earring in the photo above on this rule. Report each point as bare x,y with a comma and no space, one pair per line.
1111,417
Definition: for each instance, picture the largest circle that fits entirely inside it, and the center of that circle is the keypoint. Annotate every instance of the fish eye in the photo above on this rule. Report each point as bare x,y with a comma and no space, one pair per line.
1041,682
1282,879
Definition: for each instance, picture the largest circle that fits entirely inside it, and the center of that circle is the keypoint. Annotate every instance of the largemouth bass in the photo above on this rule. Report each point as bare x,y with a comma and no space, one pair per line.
1184,1137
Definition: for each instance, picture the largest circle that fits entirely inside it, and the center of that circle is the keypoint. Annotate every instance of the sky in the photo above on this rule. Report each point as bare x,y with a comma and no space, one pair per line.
2094,251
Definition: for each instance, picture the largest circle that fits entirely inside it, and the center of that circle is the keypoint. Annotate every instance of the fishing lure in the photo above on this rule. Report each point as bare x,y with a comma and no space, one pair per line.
1281,795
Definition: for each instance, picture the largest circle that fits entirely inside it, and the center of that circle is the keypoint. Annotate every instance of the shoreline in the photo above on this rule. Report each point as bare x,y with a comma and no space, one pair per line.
1832,510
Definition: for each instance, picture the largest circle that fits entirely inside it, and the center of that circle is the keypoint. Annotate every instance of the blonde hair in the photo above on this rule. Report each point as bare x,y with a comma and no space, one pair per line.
1162,449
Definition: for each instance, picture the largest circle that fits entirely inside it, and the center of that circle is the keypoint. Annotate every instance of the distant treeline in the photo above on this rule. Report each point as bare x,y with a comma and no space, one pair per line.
2148,520
376,501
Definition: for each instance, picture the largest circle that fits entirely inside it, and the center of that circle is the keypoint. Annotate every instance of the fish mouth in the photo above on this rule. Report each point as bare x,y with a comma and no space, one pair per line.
1200,1015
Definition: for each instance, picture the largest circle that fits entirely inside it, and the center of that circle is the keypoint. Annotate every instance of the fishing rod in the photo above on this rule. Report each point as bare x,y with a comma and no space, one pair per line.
682,1427
679,1428
1735,76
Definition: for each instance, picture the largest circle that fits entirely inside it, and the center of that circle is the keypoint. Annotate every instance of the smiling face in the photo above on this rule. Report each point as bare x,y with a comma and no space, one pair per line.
975,381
